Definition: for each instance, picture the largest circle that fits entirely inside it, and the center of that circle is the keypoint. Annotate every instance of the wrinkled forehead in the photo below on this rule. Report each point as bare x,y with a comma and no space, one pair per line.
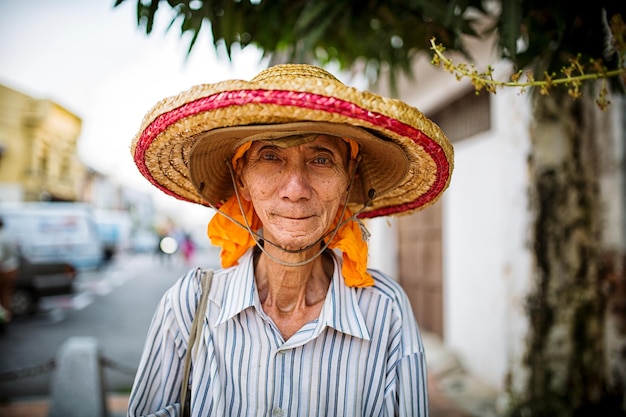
297,140
340,143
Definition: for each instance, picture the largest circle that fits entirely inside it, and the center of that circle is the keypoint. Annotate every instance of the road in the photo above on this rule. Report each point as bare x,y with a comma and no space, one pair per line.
114,306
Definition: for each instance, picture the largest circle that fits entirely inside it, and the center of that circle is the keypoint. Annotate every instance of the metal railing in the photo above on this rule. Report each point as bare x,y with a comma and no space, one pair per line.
76,388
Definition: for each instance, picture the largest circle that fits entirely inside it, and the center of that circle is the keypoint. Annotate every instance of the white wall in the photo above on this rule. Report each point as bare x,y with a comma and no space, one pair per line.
486,261
383,245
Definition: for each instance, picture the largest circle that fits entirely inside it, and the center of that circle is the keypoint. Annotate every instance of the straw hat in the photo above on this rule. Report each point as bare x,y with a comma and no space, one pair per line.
185,142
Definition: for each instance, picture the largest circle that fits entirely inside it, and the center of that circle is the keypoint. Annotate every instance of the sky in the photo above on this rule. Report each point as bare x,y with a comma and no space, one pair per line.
92,59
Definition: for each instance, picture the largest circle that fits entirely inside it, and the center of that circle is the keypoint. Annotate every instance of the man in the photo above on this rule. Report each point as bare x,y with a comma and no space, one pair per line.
296,324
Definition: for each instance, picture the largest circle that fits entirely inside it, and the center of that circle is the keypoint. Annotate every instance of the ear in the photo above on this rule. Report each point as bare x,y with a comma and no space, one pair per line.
352,165
240,183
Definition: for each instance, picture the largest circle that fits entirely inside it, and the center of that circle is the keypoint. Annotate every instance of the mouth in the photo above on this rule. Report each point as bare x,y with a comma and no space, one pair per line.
297,218
294,217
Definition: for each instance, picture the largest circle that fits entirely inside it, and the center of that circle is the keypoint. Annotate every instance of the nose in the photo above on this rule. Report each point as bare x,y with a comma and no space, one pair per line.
295,185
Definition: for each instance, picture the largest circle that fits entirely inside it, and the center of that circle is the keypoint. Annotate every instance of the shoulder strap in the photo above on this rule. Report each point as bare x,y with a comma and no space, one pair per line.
196,325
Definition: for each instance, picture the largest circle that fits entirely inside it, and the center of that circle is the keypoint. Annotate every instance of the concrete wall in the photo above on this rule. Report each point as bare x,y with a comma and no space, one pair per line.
486,262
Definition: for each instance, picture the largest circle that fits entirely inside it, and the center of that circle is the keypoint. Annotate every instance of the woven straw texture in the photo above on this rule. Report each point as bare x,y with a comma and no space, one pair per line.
292,94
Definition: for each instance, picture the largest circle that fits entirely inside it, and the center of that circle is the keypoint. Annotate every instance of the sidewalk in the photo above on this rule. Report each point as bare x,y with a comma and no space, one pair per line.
38,407
452,391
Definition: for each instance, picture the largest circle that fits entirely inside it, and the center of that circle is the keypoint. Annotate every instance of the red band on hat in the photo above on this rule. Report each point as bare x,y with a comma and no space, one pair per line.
307,101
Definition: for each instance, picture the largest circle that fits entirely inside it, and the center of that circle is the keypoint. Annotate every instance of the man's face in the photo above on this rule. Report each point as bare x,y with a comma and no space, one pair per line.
296,190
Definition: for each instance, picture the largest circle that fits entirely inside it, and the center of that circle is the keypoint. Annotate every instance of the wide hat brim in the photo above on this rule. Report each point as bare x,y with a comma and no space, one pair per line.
185,142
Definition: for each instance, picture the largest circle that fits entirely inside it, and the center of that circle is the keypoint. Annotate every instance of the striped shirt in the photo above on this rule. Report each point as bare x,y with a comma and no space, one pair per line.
363,356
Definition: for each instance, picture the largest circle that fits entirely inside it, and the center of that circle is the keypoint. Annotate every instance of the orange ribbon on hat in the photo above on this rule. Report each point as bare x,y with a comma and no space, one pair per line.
235,240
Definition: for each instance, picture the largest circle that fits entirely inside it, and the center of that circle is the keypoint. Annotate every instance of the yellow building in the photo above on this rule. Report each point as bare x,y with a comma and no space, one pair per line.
38,150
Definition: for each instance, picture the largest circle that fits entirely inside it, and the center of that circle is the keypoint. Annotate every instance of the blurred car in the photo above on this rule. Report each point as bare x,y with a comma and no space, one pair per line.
144,242
40,279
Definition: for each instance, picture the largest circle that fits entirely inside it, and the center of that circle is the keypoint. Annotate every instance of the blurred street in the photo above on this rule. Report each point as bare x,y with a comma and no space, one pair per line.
114,306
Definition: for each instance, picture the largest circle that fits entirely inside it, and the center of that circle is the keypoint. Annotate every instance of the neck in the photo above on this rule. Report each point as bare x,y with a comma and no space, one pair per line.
292,287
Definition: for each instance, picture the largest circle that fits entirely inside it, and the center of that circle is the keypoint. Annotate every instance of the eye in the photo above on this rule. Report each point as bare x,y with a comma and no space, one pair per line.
268,156
321,160
268,153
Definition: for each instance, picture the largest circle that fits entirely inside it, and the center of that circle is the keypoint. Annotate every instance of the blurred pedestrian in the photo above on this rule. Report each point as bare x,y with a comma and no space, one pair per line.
188,248
9,268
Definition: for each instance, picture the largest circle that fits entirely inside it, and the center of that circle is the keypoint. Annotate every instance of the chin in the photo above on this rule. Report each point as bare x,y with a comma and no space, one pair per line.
297,243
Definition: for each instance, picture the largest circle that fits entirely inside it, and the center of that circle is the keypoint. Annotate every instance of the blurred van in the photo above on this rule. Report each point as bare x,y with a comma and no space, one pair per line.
55,231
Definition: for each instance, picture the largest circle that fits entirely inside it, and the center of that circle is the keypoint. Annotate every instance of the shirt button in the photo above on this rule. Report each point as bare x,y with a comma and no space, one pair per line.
277,412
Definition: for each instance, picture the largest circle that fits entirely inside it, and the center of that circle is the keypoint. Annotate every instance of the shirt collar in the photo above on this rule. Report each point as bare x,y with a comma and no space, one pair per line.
341,309
240,290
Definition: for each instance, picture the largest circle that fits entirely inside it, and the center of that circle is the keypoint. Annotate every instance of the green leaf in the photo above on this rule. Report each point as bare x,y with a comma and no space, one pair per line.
323,18
149,14
509,28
